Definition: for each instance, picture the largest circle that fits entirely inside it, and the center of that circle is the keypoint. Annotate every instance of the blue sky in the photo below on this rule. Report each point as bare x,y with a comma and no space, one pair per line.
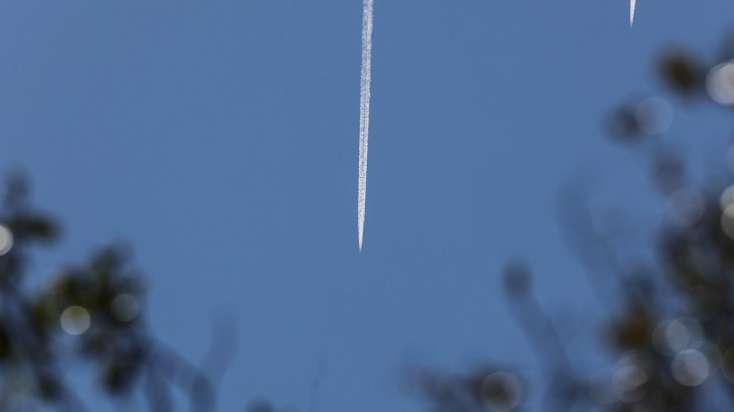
220,139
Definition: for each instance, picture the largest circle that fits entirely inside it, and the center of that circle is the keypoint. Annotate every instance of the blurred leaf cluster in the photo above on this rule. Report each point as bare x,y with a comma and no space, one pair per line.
669,328
485,387
88,312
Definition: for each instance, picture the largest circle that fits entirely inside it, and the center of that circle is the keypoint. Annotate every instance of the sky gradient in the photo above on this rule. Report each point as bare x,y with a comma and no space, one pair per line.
220,139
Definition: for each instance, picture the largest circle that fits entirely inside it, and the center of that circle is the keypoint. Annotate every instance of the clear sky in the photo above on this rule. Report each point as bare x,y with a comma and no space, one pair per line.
219,137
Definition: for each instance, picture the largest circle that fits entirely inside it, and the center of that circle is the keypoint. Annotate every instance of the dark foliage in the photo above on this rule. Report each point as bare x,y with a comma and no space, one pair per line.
89,311
670,330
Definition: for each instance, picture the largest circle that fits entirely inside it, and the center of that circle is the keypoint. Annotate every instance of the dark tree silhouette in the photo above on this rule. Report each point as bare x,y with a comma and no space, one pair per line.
670,331
91,309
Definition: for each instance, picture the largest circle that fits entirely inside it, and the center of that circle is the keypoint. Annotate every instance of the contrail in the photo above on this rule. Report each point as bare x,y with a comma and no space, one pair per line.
364,114
632,11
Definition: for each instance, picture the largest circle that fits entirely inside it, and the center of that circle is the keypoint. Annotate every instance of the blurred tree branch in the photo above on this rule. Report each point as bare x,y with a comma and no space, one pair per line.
670,318
97,305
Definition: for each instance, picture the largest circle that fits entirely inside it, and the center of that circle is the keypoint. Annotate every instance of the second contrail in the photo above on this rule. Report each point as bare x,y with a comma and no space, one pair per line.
632,11
364,115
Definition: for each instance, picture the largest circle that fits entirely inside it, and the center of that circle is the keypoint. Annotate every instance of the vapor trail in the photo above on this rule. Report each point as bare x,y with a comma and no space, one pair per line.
632,11
364,114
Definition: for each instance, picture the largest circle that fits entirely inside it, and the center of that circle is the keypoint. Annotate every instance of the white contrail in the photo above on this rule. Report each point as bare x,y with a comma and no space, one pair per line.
364,114
632,11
